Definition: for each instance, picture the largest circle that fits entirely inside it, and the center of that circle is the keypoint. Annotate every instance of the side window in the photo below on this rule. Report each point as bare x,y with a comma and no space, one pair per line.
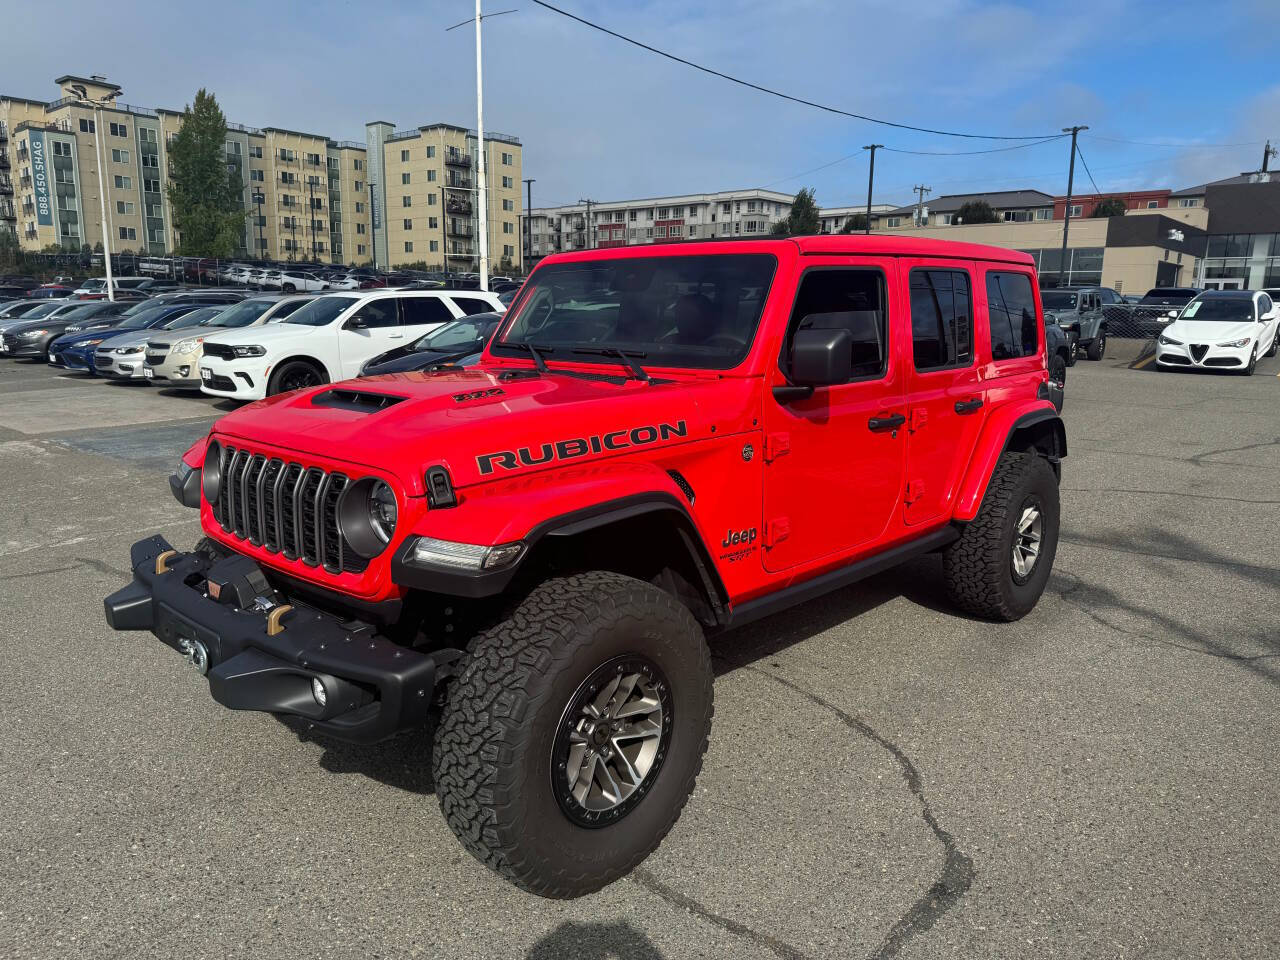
379,313
471,305
941,319
850,299
288,308
1011,313
419,311
1264,304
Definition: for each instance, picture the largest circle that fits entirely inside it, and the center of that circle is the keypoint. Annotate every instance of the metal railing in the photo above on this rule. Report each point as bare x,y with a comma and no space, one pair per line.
458,159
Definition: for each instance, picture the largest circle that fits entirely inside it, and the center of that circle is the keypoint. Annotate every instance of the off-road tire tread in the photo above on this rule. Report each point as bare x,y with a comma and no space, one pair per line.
1096,348
974,565
484,723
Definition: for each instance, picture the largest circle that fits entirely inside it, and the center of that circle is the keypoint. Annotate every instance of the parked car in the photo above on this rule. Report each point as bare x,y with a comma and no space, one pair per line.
449,344
345,281
292,281
14,310
50,293
1159,307
328,339
1080,309
626,472
123,357
1060,351
96,287
1221,330
34,338
9,292
176,362
77,351
40,310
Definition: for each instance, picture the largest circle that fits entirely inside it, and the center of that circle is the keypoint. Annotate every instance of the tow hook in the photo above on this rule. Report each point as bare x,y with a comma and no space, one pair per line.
196,654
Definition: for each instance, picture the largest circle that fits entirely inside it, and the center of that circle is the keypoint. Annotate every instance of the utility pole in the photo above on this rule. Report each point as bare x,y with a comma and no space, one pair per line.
528,221
1267,153
871,180
586,235
920,190
262,246
1063,273
311,212
481,164
373,226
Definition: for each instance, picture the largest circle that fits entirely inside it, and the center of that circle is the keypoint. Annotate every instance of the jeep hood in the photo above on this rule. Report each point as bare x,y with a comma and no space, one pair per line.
483,425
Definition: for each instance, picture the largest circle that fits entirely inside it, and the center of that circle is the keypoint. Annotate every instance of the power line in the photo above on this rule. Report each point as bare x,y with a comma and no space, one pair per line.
1178,146
776,93
805,173
1085,163
970,153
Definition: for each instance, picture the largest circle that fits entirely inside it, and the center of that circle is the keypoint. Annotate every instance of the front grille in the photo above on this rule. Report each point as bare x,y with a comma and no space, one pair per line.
1224,362
155,359
285,508
1198,350
221,351
1174,358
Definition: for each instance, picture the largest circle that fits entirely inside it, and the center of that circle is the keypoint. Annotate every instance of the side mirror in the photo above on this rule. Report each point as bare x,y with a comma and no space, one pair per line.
1172,314
356,323
820,358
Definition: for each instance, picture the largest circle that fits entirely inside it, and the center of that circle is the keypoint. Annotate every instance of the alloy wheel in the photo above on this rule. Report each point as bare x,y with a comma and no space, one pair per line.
1027,537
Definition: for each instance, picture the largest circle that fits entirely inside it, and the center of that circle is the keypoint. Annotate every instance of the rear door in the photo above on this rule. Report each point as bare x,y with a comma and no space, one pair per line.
1010,331
377,330
945,402
835,459
425,314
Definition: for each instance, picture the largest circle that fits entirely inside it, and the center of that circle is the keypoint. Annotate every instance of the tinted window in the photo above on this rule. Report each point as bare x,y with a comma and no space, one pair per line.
423,310
1058,299
852,300
377,314
321,311
1264,303
287,308
471,305
238,315
1011,313
941,319
453,334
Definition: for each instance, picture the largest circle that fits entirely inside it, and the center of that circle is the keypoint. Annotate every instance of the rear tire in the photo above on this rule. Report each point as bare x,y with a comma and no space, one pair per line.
1073,351
982,569
504,750
1098,347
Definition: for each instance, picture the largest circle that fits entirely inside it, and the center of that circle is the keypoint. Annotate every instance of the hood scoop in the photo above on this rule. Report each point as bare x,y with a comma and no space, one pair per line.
361,401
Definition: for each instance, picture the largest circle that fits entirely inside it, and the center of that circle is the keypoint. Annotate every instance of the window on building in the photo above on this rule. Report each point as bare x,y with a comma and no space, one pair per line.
631,215
431,152
128,233
852,300
941,319
124,206
508,182
1153,204
359,186
660,232
408,246
256,151
507,159
287,155
406,201
119,130
360,248
359,206
431,175
408,224
359,228
1044,213
433,223
86,126
508,226
256,175
404,178
893,221
508,251
233,148
150,185
1188,201
510,205
124,183
1076,209
434,246
119,156
151,160
1011,315
61,148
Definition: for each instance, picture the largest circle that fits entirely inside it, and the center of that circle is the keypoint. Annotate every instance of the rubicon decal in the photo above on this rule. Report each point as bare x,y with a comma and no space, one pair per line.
579,447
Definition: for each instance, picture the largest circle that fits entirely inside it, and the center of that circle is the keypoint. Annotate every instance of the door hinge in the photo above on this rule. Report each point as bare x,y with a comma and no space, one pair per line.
917,418
915,490
775,531
775,445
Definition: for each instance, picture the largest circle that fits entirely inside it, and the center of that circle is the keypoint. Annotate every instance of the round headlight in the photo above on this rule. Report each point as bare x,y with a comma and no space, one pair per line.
367,516
382,511
211,474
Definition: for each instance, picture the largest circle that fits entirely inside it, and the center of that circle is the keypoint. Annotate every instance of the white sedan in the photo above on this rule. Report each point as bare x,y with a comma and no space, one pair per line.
1221,330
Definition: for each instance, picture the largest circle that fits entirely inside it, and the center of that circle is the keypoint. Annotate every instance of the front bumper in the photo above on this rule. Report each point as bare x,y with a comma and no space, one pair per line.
374,687
243,379
1200,356
173,370
19,347
119,366
77,359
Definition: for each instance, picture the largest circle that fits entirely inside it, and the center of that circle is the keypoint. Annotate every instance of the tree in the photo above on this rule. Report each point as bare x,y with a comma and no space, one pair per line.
204,193
1110,207
10,251
803,219
976,211
855,224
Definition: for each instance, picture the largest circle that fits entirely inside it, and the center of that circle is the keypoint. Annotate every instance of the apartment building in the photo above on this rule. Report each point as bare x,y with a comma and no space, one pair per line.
697,216
409,197
425,196
833,219
1011,206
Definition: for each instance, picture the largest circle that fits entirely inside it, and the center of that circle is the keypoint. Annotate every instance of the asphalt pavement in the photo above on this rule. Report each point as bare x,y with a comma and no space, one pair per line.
886,778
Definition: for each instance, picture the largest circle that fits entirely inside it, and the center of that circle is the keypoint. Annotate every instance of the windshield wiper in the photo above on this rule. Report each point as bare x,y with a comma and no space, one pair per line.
534,351
628,358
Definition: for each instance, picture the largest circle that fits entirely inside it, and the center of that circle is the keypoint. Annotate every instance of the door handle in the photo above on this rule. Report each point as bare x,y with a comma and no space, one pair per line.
969,406
883,424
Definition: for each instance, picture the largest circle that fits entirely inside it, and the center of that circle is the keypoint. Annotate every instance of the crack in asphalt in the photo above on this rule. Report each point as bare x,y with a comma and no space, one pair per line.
1168,493
953,882
1254,568
1199,458
102,567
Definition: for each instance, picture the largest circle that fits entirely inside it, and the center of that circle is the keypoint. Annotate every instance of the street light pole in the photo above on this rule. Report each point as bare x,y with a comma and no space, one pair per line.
871,179
83,99
481,164
528,220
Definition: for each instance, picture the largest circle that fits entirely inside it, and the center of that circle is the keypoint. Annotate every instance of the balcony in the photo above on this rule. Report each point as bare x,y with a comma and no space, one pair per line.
460,230
4,159
6,211
458,159
459,207
30,232
458,183
6,185
23,154
24,181
28,208
4,132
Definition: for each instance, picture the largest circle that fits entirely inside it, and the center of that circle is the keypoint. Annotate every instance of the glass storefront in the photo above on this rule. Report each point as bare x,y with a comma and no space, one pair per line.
1248,261
1084,266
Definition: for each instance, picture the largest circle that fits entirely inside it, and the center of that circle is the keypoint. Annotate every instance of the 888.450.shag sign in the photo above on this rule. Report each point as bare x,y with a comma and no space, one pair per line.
40,179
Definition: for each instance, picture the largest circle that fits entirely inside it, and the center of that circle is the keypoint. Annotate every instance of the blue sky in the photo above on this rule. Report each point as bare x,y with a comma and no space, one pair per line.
602,119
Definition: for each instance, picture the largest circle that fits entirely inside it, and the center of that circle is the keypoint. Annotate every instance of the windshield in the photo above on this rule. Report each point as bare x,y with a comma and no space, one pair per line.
1174,297
1224,310
1058,299
455,334
680,311
139,321
241,314
201,317
84,311
321,311
42,311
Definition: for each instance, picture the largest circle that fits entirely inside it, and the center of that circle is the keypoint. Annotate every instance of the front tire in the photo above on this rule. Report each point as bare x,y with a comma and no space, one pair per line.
295,375
289,288
1001,563
1073,351
545,770
1253,363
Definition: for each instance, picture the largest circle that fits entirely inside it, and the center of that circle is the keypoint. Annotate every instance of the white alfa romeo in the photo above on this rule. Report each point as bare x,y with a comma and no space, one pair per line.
1221,330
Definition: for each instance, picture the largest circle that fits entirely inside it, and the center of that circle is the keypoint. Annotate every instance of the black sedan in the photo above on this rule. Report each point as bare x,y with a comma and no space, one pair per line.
447,344
32,339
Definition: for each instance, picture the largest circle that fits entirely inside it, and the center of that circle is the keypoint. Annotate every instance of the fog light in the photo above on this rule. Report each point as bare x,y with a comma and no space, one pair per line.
318,691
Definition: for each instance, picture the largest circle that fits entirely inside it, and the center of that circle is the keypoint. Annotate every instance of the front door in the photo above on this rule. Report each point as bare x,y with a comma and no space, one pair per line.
834,460
371,330
945,401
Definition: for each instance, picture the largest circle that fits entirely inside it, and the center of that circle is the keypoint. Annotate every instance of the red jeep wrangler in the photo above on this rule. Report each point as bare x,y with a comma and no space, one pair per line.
660,443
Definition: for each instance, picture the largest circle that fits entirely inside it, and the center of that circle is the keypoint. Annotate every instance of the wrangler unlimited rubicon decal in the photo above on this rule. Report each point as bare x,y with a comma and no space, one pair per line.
579,447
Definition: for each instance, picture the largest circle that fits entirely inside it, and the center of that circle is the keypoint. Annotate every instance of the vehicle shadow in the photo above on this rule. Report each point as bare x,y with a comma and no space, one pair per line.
595,941
403,762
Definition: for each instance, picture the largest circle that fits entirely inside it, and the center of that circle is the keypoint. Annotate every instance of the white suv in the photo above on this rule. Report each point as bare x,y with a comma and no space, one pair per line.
326,340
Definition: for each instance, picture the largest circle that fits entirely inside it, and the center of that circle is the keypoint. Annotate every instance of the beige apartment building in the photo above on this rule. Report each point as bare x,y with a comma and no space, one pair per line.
412,198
